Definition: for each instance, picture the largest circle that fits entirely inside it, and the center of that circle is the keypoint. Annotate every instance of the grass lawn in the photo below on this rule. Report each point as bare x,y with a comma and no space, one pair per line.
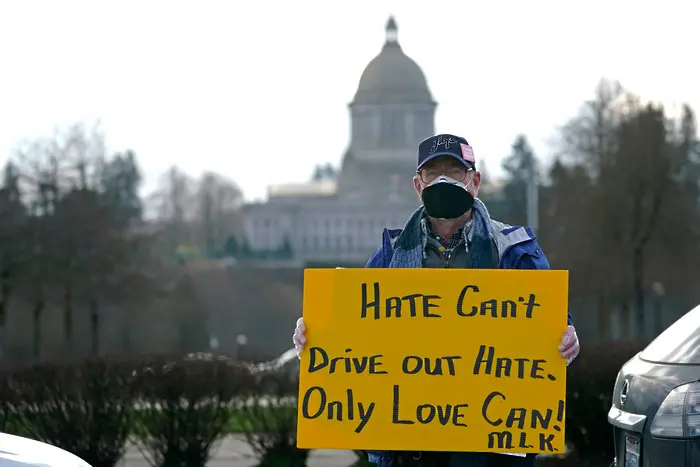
240,420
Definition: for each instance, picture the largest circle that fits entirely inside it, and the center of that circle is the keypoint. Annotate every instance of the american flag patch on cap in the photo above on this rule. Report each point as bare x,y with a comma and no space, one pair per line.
467,153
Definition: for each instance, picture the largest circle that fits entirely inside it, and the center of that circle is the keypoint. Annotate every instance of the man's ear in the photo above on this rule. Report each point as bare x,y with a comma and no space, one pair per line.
476,183
417,185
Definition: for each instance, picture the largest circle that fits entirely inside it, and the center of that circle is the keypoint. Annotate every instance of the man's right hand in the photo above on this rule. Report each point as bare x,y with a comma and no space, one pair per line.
298,337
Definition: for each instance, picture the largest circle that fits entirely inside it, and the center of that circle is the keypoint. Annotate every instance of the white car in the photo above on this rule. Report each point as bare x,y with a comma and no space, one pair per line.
16,451
271,375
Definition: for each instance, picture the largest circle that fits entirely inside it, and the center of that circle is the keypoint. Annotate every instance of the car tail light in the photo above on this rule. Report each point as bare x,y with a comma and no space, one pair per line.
679,414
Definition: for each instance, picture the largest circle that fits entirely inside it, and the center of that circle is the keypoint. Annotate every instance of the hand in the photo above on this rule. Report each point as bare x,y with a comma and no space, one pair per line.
298,337
569,347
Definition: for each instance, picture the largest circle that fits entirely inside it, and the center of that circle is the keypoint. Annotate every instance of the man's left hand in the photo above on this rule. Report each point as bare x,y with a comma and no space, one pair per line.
569,345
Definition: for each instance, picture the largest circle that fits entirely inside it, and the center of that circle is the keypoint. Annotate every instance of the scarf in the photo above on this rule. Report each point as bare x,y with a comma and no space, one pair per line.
481,248
481,254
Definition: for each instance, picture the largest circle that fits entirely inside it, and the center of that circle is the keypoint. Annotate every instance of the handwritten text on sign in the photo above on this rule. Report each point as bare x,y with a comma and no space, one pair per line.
433,359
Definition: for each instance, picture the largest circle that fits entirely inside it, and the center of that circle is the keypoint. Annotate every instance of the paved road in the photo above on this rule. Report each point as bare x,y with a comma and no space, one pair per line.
234,452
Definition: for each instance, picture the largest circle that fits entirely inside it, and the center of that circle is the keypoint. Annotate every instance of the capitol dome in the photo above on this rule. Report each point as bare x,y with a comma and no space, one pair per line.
392,76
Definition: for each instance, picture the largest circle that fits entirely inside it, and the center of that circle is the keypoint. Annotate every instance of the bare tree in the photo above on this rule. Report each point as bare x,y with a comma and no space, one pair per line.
589,143
520,165
41,166
219,203
589,138
120,182
324,172
173,207
78,247
630,159
641,186
84,153
564,219
12,243
687,170
64,173
199,213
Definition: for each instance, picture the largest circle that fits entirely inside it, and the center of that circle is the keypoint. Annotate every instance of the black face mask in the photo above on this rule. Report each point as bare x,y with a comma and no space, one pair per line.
446,199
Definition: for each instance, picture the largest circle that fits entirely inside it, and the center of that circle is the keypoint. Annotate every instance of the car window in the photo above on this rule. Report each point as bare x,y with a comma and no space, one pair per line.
679,344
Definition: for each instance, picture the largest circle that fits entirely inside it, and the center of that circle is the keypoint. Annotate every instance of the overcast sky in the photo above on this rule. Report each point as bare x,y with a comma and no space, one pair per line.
257,90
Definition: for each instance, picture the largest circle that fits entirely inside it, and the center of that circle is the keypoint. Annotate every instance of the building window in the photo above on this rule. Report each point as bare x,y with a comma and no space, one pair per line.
392,125
422,124
362,125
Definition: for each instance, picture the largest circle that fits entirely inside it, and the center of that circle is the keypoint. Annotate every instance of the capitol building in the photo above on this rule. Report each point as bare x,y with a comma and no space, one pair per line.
342,220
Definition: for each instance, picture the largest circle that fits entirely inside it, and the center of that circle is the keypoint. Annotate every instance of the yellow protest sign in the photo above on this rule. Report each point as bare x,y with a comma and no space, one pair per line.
433,360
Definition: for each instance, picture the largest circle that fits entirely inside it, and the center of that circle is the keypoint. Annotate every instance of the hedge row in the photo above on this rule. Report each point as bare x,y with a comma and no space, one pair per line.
589,388
174,409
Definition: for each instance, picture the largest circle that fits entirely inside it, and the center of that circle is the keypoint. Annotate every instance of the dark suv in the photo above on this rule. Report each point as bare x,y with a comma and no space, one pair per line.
656,400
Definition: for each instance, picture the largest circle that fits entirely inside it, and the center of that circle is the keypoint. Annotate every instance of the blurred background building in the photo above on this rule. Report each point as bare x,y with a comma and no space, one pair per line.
340,218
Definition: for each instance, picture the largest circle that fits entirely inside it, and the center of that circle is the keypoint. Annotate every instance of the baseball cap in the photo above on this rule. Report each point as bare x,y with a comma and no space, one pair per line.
445,145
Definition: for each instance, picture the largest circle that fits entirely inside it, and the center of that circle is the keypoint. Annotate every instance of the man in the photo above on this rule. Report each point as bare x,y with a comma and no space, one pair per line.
453,229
